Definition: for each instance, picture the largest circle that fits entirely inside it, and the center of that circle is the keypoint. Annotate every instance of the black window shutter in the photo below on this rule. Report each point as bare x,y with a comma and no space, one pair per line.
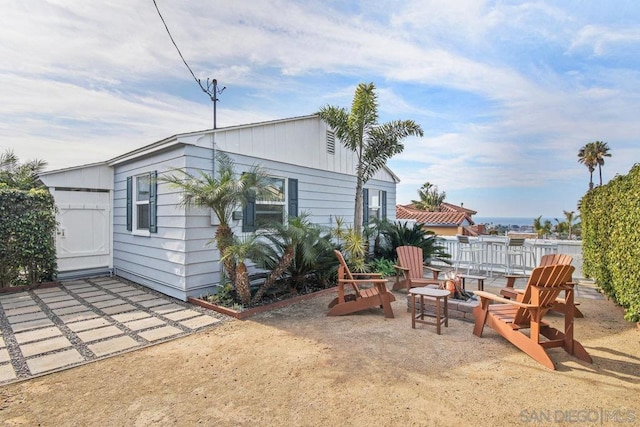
153,202
365,206
129,203
293,197
249,216
383,202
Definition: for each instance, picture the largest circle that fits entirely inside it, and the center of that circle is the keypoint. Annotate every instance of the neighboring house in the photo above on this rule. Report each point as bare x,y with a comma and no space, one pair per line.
448,221
116,218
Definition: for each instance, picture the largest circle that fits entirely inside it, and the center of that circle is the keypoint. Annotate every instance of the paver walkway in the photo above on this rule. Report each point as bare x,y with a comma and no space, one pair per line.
45,330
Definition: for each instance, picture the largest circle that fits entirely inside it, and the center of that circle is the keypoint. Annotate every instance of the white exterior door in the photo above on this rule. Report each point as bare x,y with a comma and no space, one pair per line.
83,240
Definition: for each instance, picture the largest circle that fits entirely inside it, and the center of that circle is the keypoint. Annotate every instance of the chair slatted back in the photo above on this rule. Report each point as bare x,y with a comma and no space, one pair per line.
515,242
411,257
550,278
344,272
549,259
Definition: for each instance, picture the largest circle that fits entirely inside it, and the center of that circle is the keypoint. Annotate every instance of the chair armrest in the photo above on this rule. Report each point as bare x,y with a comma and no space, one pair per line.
399,268
511,279
492,297
374,281
435,271
373,275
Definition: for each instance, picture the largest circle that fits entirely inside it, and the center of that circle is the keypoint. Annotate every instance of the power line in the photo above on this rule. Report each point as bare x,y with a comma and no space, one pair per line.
212,85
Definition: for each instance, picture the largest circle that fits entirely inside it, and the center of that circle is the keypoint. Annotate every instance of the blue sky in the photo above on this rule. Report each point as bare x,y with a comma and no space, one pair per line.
506,92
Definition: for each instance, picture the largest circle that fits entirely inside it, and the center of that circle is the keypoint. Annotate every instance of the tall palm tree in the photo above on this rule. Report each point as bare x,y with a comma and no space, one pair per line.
601,150
430,197
224,193
588,157
373,143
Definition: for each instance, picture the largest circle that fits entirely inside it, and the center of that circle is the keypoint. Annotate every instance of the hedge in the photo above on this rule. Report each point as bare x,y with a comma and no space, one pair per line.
27,241
611,239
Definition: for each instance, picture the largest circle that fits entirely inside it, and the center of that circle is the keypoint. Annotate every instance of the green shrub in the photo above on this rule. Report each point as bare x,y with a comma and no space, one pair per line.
383,266
27,243
611,239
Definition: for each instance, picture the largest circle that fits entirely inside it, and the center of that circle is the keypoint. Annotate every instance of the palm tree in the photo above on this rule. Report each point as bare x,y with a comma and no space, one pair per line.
236,253
430,197
601,150
588,157
538,227
223,194
569,220
294,248
373,143
22,176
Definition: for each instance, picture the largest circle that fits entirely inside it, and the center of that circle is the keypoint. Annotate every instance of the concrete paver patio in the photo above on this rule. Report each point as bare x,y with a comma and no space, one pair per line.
45,330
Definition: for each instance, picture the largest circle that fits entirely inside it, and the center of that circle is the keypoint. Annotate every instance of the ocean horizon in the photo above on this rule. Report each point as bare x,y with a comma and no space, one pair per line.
508,220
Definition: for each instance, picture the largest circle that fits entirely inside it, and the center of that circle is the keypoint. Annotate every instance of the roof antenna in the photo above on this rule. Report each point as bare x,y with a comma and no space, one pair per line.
213,92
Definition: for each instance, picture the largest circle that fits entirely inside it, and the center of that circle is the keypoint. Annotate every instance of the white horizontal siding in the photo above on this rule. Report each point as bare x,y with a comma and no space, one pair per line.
177,259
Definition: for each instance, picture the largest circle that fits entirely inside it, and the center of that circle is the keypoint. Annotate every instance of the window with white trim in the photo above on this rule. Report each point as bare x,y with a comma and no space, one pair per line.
141,202
272,210
142,192
375,206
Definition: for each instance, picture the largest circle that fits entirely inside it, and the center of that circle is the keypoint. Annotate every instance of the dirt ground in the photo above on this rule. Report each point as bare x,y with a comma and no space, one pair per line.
295,366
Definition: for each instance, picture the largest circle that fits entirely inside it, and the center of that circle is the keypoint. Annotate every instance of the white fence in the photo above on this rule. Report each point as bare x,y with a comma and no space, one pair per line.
493,259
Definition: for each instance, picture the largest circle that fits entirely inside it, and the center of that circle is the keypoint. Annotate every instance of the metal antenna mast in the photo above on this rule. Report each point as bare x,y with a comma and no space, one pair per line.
213,92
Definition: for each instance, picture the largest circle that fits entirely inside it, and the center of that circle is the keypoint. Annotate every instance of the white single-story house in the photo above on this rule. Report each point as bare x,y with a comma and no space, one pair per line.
115,218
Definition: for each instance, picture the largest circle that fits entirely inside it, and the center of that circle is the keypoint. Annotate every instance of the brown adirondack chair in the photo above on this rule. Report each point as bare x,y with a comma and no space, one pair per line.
511,317
412,268
560,305
361,298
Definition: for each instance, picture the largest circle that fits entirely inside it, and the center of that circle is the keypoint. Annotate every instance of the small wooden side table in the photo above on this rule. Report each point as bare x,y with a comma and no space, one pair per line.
437,295
480,280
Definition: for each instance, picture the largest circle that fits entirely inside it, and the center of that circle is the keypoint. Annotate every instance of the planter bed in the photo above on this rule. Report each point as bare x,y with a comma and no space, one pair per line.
259,309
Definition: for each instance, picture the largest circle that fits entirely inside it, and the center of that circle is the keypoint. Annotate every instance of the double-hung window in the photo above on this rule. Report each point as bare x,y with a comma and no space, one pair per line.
273,209
283,203
375,204
142,203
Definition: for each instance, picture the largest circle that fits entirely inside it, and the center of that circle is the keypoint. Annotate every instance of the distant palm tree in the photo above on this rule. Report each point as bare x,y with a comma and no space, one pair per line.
537,226
373,143
430,198
601,150
588,157
569,220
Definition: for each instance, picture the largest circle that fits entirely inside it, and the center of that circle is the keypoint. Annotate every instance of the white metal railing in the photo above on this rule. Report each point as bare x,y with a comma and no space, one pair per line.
493,254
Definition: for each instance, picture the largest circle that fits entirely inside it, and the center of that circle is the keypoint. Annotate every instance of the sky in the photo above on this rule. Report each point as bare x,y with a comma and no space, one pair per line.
506,91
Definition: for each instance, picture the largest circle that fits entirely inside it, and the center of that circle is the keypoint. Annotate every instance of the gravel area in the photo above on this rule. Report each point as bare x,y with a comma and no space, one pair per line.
295,366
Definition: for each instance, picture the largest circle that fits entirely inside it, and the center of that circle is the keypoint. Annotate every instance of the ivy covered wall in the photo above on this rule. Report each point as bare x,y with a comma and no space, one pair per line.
27,241
611,239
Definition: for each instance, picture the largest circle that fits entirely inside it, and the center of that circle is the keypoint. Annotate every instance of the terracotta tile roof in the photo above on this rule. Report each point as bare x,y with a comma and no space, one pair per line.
447,217
448,207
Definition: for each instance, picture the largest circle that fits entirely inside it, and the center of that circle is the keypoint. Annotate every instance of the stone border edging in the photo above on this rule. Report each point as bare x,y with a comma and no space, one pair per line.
242,315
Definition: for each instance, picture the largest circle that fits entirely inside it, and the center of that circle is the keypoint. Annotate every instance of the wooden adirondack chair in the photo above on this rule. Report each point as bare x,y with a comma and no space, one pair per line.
361,298
560,305
510,317
411,269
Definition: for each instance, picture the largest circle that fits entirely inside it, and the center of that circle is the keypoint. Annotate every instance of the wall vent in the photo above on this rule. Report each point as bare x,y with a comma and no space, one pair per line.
331,142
